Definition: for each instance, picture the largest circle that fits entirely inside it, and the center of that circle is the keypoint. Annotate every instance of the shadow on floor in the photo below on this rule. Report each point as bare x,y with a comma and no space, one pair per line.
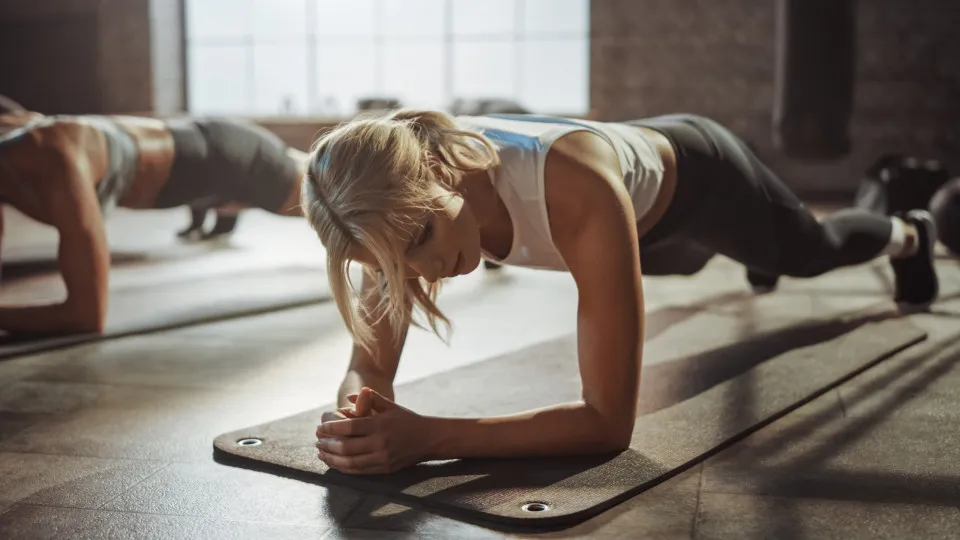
18,270
683,378
475,485
805,475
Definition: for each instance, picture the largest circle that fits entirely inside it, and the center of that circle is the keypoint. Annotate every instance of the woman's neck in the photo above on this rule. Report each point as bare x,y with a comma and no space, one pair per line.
490,212
477,190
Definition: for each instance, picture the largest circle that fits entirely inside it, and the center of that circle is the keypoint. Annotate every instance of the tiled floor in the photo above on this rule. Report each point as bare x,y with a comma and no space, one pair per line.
114,439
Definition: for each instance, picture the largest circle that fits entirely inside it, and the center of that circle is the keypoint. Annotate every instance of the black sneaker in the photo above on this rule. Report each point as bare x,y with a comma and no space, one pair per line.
761,283
917,285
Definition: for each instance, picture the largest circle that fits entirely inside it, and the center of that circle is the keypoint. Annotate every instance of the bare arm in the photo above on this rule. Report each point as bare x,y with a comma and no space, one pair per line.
376,370
594,229
84,260
603,257
604,260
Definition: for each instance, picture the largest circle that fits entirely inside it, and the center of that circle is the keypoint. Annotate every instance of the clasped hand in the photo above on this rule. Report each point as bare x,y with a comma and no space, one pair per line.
375,436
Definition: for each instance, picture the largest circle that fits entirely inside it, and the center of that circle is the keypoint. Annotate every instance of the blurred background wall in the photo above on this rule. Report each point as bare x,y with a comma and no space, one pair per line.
301,65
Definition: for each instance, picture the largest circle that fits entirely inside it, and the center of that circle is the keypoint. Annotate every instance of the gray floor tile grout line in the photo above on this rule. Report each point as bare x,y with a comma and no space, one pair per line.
90,456
387,533
135,484
327,528
113,385
843,405
696,510
119,458
408,534
353,509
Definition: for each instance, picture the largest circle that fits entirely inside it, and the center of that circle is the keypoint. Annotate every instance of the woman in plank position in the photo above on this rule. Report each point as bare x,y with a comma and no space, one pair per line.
70,171
418,196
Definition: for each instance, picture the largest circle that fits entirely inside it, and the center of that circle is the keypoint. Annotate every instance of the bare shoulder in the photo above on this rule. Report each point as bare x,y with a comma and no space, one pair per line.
53,160
47,136
583,183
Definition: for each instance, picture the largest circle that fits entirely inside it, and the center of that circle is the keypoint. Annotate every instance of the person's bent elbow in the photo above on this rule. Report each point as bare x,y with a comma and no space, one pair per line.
618,438
84,318
616,431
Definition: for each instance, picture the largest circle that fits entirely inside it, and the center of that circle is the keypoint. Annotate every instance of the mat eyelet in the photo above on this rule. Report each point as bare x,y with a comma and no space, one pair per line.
535,507
250,442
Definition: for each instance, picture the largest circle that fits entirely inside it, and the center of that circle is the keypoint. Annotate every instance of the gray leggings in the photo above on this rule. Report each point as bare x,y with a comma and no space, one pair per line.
727,202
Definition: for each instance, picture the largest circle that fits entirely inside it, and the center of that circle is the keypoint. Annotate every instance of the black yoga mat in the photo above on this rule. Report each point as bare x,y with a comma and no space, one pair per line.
691,407
175,303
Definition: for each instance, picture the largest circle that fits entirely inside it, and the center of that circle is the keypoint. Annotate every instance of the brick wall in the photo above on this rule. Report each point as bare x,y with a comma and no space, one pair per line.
33,68
91,56
717,58
125,67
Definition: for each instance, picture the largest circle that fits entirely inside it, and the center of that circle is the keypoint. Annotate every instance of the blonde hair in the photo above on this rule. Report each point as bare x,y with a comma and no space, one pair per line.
367,184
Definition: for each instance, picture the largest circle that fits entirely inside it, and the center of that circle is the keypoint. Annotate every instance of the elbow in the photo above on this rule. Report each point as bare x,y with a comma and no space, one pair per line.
618,440
87,319
91,324
616,432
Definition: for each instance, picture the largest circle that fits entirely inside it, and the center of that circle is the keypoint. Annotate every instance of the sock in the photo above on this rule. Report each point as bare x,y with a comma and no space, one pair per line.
898,237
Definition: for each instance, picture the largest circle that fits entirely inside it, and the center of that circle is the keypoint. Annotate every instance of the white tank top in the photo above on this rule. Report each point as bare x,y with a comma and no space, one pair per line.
522,143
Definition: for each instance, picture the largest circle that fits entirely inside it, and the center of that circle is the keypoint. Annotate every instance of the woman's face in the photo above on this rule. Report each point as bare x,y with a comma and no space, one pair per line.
446,242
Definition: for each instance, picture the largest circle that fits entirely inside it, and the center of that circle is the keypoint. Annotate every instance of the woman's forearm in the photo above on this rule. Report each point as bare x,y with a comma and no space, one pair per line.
573,428
58,318
355,380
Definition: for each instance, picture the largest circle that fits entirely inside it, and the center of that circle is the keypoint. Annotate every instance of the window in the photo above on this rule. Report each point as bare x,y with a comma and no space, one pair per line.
319,57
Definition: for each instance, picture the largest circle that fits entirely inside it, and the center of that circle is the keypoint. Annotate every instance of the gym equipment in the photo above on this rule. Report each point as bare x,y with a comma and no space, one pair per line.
898,183
814,78
690,408
945,207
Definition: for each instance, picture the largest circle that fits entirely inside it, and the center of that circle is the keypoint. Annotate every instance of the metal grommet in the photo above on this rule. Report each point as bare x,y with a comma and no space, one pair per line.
250,442
536,507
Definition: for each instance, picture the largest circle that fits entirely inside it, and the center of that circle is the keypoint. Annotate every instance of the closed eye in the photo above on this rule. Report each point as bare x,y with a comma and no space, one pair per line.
425,234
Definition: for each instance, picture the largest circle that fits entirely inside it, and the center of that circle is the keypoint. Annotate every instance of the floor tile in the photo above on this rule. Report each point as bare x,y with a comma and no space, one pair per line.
210,490
68,481
746,517
27,522
165,424
887,461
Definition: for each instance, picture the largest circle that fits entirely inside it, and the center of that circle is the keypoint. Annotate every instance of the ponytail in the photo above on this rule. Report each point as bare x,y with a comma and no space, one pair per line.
457,150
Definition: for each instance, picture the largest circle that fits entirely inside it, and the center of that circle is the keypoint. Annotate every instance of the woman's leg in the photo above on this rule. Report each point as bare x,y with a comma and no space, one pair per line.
223,161
746,213
225,224
673,258
198,215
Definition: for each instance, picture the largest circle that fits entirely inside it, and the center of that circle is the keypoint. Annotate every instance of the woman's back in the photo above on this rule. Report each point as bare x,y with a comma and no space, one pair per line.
523,143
